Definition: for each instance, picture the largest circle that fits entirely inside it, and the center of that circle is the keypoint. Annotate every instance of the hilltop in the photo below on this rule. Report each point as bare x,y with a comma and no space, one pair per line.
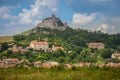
51,22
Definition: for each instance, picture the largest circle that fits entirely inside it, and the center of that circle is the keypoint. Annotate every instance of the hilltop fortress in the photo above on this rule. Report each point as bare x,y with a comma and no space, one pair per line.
53,23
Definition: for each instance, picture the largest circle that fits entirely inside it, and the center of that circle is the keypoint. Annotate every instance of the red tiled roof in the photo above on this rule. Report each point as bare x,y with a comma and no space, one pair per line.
15,51
34,42
12,59
37,62
116,54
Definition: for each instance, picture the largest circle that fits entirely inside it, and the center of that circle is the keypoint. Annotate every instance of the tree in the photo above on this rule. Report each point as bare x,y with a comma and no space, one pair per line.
19,37
4,46
105,53
9,52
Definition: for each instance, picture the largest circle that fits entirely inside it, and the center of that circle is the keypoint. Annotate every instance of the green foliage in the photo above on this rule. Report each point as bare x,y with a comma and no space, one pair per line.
19,37
60,73
105,53
73,41
115,60
4,46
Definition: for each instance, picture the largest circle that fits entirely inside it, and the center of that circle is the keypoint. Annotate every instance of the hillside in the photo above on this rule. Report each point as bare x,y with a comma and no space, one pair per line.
77,37
74,43
6,38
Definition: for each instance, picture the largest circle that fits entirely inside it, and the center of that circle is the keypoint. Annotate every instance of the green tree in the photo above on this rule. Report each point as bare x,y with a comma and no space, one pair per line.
19,37
105,53
4,46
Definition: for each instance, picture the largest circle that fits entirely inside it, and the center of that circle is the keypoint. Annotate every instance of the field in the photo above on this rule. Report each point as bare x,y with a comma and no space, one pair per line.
6,38
92,73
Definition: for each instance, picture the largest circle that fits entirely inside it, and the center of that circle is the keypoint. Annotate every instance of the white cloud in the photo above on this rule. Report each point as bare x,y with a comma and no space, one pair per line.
38,11
103,27
106,28
82,19
26,19
96,22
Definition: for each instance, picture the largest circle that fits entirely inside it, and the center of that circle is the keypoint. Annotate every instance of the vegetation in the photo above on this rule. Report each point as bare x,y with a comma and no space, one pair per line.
73,41
71,37
59,73
6,39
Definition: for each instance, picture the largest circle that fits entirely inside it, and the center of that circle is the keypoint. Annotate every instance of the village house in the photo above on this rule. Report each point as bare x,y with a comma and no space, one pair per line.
37,64
55,48
16,49
116,55
96,45
39,45
46,65
54,64
68,66
50,64
113,65
10,62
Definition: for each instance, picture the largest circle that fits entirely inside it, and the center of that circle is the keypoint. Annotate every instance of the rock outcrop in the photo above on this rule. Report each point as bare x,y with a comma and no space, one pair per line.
53,23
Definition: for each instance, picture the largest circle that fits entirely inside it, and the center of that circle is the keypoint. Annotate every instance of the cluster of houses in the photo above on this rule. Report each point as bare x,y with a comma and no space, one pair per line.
46,64
85,64
44,46
11,62
35,45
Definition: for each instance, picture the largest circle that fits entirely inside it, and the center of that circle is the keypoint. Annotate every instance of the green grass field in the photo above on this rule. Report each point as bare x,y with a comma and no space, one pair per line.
6,38
60,74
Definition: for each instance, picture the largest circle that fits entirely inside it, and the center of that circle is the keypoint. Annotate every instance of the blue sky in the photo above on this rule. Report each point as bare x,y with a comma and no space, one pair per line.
17,16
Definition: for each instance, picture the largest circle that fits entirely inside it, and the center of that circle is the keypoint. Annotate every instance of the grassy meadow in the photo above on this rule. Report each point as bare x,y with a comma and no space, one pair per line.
92,73
6,38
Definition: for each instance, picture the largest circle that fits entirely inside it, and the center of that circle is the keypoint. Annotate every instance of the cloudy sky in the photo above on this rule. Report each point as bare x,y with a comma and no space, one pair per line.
20,15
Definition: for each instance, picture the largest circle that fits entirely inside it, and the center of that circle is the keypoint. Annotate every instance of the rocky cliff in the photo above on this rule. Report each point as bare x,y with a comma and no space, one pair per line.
53,23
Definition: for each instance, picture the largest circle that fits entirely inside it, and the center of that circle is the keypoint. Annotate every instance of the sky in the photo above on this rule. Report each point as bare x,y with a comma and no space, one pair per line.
17,16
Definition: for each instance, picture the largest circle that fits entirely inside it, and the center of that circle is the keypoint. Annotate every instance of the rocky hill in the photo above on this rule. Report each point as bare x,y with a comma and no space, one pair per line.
52,22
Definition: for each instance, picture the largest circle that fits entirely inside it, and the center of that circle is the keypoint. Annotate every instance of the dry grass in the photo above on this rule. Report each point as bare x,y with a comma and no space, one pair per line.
6,38
60,74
